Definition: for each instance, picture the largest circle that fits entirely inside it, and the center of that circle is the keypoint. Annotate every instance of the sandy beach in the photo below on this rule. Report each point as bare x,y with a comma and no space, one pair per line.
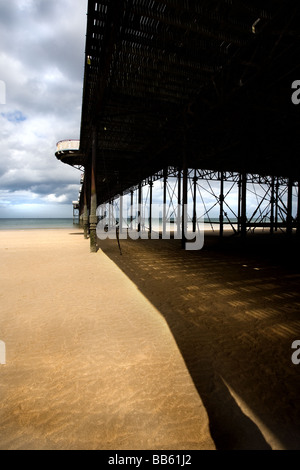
90,362
156,349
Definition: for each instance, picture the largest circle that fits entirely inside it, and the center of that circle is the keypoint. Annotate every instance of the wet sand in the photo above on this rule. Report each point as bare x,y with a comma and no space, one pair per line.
91,363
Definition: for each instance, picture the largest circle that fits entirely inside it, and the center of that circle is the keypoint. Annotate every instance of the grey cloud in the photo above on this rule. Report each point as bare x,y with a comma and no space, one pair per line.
41,61
7,14
44,34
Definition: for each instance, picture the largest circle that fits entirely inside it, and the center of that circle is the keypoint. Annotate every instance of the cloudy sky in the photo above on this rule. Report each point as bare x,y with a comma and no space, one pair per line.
42,47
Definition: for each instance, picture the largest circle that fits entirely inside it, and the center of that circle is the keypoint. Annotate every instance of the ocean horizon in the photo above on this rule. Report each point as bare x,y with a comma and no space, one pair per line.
30,223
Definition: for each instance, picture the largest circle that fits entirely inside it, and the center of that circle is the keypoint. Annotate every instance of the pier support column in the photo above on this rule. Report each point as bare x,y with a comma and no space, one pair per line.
178,203
221,218
131,209
139,209
150,205
239,204
184,220
195,179
298,212
243,196
110,214
85,213
164,221
289,218
272,215
93,211
121,214
276,204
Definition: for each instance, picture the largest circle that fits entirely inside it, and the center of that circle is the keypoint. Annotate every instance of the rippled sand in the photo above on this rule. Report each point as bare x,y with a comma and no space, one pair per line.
90,362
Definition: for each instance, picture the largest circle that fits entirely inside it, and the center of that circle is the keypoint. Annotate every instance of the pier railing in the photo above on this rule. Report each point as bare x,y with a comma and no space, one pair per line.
67,145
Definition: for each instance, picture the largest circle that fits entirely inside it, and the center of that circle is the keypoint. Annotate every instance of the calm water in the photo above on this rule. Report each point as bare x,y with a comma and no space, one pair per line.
27,224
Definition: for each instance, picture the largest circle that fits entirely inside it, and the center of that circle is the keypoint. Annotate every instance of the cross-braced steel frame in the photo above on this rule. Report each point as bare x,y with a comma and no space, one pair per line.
222,200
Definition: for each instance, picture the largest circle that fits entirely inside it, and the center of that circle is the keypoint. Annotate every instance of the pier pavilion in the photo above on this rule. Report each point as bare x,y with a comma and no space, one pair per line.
195,91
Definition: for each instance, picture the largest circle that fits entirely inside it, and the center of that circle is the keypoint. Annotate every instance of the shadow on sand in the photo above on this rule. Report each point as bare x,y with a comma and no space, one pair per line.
234,312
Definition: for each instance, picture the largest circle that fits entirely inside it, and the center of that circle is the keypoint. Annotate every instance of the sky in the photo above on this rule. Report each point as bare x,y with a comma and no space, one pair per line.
42,46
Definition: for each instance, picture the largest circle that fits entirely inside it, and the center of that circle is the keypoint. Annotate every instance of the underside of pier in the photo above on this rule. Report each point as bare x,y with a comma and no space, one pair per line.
181,85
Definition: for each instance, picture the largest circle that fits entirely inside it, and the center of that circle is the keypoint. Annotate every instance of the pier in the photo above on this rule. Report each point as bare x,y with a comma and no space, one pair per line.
196,92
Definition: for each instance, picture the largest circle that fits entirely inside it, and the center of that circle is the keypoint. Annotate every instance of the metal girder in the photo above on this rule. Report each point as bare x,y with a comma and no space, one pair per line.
219,73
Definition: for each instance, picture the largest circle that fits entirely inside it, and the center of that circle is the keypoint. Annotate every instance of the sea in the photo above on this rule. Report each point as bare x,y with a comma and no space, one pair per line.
69,223
31,224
